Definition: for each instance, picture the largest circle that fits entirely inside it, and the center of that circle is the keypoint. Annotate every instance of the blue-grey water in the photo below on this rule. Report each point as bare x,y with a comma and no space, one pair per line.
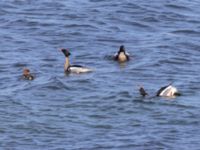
103,109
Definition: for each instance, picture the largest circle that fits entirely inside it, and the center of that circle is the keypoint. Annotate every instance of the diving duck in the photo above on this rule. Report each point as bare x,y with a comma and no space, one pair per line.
166,91
68,68
121,56
27,75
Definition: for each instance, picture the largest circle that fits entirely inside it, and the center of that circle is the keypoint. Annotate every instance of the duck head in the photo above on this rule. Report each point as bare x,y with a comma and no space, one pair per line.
121,49
122,56
26,72
65,52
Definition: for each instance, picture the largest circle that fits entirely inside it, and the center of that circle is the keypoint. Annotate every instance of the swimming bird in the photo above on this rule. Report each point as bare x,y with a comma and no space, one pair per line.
68,68
121,55
166,91
27,75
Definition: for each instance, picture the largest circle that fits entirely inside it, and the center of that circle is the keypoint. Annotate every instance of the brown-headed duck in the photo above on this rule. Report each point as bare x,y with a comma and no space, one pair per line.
27,75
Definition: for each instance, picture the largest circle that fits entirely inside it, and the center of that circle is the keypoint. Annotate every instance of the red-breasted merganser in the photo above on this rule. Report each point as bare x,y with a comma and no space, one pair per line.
27,75
68,68
166,91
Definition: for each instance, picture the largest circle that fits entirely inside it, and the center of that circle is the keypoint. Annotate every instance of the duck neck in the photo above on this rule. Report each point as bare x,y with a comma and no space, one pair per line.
67,64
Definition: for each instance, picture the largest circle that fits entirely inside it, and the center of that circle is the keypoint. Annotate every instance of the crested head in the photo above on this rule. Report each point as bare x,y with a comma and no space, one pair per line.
121,49
26,71
65,52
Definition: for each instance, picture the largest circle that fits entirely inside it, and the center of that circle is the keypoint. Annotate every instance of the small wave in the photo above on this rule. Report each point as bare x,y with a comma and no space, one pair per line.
175,104
101,126
141,25
106,39
3,12
171,17
85,26
175,61
100,1
49,59
186,32
19,65
53,84
96,116
150,19
179,7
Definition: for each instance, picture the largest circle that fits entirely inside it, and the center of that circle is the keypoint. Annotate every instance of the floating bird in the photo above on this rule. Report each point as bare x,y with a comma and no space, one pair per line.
121,55
166,91
68,68
27,75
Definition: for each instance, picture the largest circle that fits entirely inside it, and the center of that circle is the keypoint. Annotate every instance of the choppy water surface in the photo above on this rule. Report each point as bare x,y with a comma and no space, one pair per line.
103,109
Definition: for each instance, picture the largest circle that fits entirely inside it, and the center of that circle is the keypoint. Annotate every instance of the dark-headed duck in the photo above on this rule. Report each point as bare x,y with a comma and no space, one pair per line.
68,68
121,55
